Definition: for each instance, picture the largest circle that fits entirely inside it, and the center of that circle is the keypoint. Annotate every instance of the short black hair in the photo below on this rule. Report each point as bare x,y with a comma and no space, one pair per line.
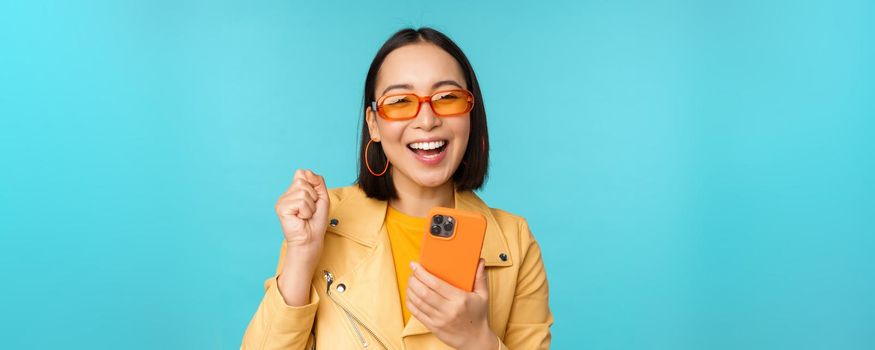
471,174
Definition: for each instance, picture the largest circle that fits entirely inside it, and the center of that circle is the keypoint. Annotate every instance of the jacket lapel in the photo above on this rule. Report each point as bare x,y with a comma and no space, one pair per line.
371,290
371,286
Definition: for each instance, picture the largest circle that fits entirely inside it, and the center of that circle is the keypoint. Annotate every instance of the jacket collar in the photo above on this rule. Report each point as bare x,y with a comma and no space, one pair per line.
361,218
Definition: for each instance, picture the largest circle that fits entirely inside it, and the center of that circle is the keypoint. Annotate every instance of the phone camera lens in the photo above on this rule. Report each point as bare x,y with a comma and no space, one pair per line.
438,219
448,227
435,229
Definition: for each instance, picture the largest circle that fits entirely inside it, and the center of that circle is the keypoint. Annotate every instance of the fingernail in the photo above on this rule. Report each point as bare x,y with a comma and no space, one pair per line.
413,266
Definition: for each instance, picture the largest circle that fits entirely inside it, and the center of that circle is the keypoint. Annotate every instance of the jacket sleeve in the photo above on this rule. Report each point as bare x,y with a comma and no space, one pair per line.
530,318
277,325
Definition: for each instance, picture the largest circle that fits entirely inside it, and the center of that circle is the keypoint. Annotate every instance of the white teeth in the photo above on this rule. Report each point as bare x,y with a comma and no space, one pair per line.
427,145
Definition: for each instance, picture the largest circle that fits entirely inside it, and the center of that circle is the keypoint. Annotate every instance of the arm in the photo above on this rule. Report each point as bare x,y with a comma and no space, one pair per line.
284,320
530,318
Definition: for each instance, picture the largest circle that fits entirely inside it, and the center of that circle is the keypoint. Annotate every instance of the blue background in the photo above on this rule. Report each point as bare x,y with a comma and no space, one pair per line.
699,174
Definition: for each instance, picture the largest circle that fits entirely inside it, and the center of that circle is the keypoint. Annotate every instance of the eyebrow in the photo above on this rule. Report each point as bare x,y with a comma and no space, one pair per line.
433,86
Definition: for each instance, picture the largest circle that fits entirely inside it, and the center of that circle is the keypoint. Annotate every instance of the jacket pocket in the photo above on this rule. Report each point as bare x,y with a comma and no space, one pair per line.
353,321
355,328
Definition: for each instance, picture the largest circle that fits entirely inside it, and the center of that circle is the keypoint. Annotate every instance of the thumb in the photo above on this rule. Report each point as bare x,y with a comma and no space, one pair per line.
481,287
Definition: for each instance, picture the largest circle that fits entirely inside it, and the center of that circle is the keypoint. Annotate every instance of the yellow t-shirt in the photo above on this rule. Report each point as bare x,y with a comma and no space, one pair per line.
405,235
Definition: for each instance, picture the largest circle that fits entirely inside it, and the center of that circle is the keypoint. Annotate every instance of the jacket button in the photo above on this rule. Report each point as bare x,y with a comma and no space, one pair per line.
333,222
341,288
502,256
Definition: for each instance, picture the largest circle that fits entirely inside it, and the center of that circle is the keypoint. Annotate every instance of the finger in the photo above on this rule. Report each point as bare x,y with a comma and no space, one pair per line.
481,285
303,209
421,316
299,175
309,205
304,183
303,192
422,305
445,289
425,294
286,206
318,183
321,190
300,182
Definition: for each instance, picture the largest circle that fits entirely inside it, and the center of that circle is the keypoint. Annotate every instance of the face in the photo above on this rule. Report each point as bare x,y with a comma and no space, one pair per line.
422,69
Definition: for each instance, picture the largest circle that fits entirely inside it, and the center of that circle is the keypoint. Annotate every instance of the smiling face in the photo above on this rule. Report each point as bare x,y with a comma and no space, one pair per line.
427,149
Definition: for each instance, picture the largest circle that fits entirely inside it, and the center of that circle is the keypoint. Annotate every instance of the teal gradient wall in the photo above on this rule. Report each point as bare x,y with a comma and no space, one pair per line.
699,174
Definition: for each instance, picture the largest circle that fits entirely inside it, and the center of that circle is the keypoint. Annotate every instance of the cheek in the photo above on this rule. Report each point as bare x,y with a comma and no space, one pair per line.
461,131
391,138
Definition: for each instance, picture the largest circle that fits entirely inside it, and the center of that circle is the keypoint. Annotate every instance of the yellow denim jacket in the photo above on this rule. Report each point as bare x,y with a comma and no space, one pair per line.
354,302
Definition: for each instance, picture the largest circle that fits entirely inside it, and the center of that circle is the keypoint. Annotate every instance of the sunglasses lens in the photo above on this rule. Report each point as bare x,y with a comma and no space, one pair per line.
400,106
451,102
405,106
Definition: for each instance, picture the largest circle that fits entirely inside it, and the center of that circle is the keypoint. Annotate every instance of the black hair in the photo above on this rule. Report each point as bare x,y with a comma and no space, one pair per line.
471,173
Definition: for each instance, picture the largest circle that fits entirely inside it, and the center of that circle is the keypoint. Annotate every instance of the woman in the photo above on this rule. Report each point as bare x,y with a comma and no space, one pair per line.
347,275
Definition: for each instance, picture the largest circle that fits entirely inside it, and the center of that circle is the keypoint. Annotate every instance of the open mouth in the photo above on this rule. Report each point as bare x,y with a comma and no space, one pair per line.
428,149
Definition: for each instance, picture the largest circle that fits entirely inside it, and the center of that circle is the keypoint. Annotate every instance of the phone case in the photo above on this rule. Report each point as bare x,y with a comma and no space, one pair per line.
454,259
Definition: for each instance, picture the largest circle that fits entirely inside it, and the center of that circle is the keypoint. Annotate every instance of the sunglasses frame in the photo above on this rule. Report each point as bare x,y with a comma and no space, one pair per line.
377,105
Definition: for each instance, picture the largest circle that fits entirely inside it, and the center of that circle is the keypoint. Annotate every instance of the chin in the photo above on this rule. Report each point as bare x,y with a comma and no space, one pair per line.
432,181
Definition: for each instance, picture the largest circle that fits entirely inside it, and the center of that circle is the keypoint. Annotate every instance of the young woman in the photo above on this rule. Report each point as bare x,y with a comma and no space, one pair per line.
348,275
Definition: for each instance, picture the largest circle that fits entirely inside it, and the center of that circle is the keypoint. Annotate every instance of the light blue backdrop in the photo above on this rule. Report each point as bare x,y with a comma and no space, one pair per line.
699,174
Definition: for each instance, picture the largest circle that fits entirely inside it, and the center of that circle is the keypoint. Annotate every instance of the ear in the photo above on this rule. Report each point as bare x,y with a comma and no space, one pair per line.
371,119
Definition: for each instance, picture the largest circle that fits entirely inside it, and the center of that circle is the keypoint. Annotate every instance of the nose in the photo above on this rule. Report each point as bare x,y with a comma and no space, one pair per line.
426,120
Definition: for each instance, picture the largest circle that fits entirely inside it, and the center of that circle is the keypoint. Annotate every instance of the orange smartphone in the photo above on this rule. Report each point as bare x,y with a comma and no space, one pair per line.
452,244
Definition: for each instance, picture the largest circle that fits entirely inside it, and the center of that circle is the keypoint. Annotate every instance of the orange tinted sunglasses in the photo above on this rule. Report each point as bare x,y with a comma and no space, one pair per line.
406,106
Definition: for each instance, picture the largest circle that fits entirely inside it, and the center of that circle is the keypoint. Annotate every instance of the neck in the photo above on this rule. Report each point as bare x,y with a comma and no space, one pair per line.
416,200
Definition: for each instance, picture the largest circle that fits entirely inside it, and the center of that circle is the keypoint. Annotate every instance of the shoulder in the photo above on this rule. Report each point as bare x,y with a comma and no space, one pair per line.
338,194
515,227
